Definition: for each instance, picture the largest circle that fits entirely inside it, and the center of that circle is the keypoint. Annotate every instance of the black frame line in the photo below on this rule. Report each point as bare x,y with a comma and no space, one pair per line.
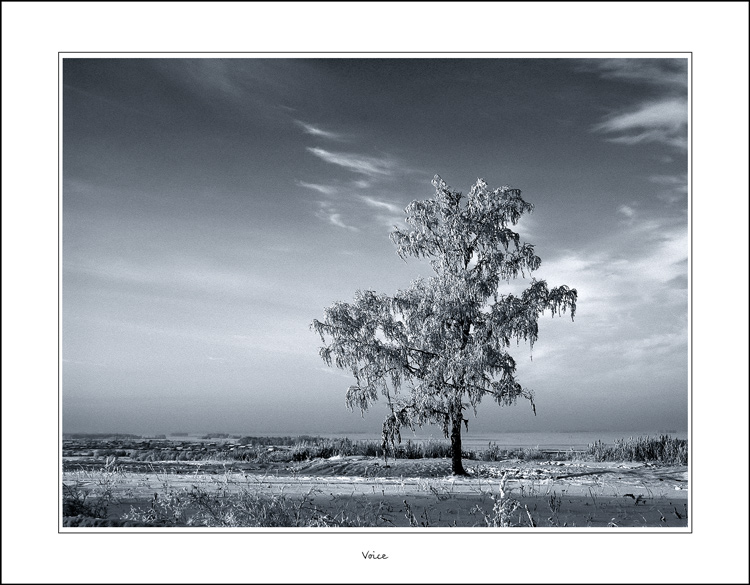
420,532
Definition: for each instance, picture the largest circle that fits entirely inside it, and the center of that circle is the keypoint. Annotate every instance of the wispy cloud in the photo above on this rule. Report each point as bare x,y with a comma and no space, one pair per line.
325,189
180,277
390,207
317,131
664,72
613,285
674,187
662,121
626,210
335,219
214,76
84,363
330,214
358,163
335,372
391,215
676,181
632,307
286,340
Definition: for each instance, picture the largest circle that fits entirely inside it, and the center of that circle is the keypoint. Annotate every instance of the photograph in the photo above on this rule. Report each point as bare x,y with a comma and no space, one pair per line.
375,292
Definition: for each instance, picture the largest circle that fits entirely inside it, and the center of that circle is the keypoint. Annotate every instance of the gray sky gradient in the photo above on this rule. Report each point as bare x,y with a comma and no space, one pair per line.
213,207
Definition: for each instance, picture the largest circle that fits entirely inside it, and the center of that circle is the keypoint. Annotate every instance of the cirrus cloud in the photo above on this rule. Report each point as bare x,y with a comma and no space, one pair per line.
662,121
325,189
358,163
663,72
318,131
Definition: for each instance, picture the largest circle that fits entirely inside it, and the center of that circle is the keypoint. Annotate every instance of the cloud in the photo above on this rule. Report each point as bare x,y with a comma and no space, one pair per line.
612,285
656,346
394,214
376,212
395,209
676,181
185,277
627,211
330,214
358,163
335,219
325,189
632,305
663,121
283,338
317,131
207,78
675,187
335,372
664,72
84,363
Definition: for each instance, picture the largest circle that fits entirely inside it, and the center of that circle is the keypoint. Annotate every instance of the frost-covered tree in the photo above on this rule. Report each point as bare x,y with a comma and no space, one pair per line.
441,346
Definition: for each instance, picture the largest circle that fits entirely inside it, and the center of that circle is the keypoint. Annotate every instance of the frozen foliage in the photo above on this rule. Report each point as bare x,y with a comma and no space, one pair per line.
441,346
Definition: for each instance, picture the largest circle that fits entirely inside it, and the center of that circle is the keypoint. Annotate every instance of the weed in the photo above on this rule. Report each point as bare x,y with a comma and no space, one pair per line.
504,509
664,449
494,453
413,522
554,502
230,503
91,493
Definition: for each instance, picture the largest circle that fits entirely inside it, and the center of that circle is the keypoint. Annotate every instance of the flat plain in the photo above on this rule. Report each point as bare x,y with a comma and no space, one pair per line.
284,487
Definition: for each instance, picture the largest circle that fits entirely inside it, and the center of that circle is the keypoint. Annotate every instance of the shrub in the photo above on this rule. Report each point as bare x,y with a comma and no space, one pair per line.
92,501
664,449
495,453
228,503
436,449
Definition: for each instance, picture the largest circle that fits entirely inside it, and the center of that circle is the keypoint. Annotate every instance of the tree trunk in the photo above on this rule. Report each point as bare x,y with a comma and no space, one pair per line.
456,466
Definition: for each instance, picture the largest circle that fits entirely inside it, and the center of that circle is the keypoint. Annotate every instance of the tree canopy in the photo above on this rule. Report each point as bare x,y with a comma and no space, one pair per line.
441,345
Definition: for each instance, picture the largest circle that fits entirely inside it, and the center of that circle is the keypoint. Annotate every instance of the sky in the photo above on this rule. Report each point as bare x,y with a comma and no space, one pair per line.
212,208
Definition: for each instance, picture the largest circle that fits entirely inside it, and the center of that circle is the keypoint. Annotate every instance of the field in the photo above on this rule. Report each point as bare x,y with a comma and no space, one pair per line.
308,482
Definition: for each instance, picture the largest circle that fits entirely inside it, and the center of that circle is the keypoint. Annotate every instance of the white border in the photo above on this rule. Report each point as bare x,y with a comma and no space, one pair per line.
32,36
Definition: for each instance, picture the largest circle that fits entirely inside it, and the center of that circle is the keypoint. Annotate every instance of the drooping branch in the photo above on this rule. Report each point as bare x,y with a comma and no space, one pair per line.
445,339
